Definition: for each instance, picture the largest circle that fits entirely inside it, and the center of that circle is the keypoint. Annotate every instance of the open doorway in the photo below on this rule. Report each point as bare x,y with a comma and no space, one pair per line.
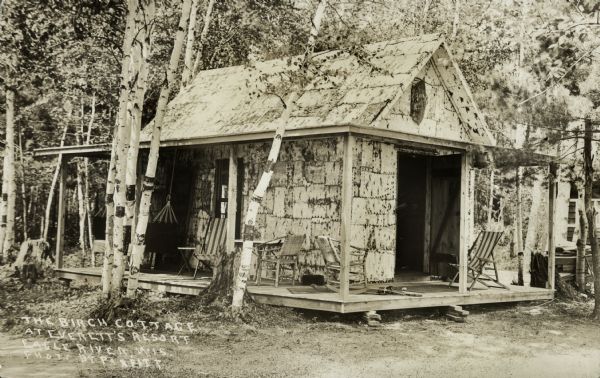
410,213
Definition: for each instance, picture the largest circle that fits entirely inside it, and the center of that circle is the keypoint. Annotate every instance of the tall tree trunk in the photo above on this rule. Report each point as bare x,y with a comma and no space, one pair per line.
531,237
107,261
55,177
80,196
426,6
3,211
259,192
519,224
141,56
590,212
456,21
23,191
115,188
581,242
189,47
139,242
490,209
9,172
203,34
86,173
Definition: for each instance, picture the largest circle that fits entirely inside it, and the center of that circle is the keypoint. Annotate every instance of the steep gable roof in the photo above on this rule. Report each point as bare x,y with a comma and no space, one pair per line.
356,89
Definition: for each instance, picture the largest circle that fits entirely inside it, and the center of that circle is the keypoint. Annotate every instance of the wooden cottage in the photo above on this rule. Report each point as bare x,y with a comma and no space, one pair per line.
378,153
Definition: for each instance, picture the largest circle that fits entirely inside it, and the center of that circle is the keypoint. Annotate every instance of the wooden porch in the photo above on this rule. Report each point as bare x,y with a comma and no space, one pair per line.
433,293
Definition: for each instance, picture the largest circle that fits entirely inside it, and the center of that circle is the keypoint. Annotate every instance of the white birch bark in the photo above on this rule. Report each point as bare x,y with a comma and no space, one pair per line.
203,34
490,209
139,242
456,20
9,172
141,56
118,160
107,261
260,191
55,177
189,47
3,211
80,197
86,173
23,191
531,237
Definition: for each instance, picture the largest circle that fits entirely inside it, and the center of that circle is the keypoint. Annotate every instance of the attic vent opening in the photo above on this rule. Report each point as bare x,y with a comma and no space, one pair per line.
418,100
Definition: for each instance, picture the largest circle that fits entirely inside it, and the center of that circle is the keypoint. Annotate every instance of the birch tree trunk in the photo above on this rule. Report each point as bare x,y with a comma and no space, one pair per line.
23,191
115,188
203,34
3,211
250,222
80,196
139,242
141,56
491,201
9,172
189,47
590,212
456,20
426,5
86,173
107,261
581,243
531,237
55,177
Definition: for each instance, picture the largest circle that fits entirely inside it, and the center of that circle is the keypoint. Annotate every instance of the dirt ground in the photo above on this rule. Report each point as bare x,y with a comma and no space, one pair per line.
548,339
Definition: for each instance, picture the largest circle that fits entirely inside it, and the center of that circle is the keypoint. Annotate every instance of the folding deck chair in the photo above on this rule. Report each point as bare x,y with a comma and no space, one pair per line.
330,250
209,247
480,255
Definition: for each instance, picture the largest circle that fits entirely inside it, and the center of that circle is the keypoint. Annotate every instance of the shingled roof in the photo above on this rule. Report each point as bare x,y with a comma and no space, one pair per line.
357,90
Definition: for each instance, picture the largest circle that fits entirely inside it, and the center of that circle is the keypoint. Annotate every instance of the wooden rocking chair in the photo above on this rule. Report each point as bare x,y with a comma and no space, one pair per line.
278,254
480,255
330,249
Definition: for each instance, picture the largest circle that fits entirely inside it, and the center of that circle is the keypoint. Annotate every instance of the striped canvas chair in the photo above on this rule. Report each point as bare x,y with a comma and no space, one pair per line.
480,256
212,244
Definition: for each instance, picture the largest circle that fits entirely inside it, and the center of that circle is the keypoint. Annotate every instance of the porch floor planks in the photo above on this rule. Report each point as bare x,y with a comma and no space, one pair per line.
159,282
435,293
371,302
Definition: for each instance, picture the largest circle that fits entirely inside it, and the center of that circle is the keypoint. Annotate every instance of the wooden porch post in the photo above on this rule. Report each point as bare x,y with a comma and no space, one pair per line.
346,217
231,199
427,228
60,227
464,221
551,220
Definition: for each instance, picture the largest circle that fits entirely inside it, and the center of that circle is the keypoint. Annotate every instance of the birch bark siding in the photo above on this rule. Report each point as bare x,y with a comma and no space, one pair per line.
139,242
260,191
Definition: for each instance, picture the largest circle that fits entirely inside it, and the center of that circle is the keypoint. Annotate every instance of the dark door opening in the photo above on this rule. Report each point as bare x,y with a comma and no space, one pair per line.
410,212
